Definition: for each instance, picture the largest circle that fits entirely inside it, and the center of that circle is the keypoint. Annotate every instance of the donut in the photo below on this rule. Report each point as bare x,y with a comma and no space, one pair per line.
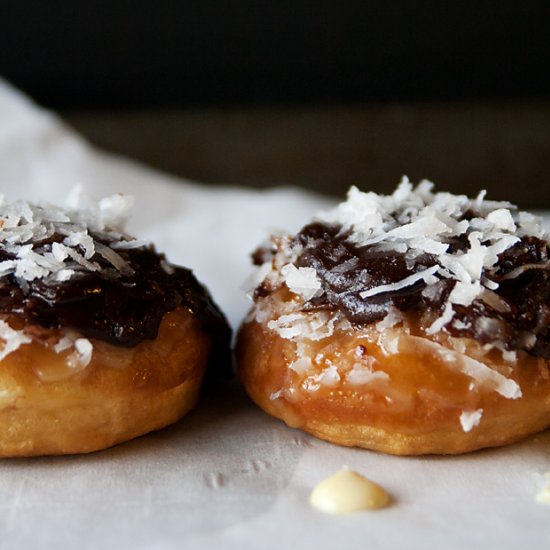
101,338
412,323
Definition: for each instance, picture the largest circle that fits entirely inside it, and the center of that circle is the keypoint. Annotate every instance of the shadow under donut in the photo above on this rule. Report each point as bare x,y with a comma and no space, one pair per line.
224,463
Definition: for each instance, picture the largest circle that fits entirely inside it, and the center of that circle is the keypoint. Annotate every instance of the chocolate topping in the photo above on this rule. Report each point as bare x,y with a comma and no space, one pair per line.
518,316
347,270
120,308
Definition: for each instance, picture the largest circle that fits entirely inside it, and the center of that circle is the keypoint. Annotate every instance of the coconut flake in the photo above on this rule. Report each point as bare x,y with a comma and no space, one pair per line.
12,339
60,252
115,210
502,219
470,419
129,244
495,301
82,261
301,366
287,326
84,349
301,280
82,352
64,275
277,394
83,240
64,343
482,374
7,267
362,374
389,342
115,259
523,268
328,377
312,326
392,318
426,275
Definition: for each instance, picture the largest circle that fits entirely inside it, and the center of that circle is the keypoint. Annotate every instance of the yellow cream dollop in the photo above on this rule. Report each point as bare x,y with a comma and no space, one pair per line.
346,492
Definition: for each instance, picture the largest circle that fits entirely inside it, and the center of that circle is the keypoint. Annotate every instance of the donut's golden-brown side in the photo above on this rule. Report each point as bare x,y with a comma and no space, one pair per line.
427,398
47,409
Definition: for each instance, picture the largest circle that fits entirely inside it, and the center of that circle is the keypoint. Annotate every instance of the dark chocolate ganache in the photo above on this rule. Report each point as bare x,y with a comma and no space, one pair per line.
122,309
516,313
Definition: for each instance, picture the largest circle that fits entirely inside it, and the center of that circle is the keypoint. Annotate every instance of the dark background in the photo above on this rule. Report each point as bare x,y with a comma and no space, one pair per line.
323,94
142,54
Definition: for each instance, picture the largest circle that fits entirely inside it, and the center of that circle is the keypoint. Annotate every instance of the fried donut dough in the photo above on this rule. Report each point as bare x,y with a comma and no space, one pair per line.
101,340
46,408
393,353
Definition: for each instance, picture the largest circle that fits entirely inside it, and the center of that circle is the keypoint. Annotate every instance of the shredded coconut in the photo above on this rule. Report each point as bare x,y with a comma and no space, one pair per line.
83,349
277,394
26,230
54,244
301,366
425,275
424,221
82,352
392,318
462,237
65,343
11,338
470,419
312,326
302,281
362,373
414,221
482,374
328,377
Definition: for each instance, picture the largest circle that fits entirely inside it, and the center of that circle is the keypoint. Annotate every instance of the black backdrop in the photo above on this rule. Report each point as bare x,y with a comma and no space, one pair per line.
127,53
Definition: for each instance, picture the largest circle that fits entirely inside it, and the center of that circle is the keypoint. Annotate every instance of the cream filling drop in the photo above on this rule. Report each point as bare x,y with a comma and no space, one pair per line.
347,492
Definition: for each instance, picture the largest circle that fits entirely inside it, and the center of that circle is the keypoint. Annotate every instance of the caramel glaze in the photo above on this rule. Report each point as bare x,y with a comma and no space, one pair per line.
122,310
521,322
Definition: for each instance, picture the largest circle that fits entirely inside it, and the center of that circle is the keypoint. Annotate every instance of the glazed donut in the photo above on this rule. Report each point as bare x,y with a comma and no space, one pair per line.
101,339
413,323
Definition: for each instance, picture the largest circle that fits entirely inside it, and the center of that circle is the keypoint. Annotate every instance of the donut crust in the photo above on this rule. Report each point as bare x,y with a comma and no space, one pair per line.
351,417
121,394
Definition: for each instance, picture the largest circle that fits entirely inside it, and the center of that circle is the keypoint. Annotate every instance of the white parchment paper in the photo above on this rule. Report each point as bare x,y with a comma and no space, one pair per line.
229,476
